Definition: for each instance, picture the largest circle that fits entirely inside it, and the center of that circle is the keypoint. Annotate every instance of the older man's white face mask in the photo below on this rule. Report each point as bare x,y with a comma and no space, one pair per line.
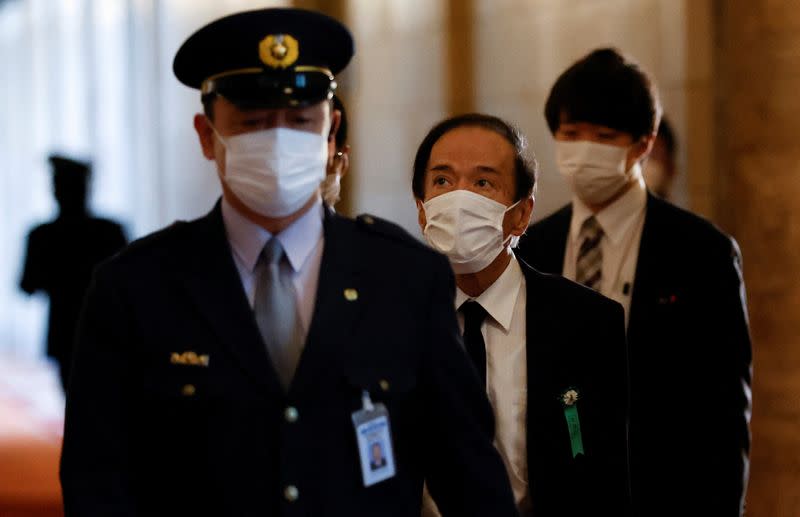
468,228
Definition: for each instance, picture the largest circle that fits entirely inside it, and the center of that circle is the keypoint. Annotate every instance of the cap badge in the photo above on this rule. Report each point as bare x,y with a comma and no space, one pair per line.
278,50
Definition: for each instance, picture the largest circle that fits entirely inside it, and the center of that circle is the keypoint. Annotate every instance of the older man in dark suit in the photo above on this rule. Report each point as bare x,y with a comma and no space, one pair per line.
229,366
550,352
679,279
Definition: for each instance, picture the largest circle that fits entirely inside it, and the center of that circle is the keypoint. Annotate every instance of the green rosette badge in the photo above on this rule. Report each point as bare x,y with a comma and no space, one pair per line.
569,401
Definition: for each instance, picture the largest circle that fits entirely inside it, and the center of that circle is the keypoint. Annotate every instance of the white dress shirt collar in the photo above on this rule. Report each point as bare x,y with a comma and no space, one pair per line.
500,298
617,218
298,240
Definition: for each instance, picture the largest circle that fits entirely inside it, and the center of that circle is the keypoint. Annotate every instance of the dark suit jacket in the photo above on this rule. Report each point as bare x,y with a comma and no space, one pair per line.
690,361
139,442
59,260
576,340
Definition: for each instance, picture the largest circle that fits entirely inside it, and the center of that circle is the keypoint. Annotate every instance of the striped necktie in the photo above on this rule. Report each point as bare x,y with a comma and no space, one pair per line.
589,267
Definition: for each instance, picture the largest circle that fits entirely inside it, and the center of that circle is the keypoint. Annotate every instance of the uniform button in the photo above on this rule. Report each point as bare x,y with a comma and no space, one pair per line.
384,384
188,390
290,414
368,219
291,493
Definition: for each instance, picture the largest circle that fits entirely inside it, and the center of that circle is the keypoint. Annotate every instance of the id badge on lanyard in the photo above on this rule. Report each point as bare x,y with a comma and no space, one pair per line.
374,440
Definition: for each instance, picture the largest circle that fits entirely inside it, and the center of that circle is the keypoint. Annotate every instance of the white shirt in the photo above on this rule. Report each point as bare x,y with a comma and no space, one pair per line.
622,222
302,241
505,333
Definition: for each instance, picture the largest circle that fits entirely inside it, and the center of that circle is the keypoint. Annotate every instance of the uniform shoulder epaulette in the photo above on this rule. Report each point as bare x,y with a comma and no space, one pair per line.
156,238
176,223
385,228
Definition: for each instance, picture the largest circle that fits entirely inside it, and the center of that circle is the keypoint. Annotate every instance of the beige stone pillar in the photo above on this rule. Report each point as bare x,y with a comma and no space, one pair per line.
460,88
757,63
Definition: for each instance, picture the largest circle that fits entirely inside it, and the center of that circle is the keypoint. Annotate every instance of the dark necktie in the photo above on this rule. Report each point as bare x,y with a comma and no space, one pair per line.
474,315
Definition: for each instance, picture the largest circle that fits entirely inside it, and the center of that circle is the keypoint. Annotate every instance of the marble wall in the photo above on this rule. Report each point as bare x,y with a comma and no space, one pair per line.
757,184
420,61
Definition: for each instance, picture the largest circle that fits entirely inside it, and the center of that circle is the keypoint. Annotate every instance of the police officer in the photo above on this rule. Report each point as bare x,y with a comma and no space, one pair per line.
243,363
61,254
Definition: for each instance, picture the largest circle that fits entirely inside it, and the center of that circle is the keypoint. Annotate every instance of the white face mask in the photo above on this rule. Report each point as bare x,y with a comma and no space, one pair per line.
274,172
595,172
467,227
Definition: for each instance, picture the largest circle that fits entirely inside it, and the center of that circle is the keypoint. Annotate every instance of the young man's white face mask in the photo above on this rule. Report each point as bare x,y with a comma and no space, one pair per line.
595,172
274,172
468,228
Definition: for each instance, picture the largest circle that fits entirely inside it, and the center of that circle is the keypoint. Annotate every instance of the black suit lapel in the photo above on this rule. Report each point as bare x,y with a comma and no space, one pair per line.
647,265
206,268
341,295
539,331
545,424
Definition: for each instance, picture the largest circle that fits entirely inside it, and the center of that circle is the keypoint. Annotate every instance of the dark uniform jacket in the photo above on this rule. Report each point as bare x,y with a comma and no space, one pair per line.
153,430
576,341
689,358
59,260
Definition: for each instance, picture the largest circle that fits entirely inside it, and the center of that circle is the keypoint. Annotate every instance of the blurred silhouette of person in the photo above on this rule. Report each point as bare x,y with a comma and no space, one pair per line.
339,163
660,169
62,254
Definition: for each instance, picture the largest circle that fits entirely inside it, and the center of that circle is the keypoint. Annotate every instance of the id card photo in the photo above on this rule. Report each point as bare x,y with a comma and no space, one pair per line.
375,445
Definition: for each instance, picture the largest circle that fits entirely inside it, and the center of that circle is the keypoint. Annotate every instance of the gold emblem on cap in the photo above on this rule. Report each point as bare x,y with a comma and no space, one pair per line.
350,294
278,50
